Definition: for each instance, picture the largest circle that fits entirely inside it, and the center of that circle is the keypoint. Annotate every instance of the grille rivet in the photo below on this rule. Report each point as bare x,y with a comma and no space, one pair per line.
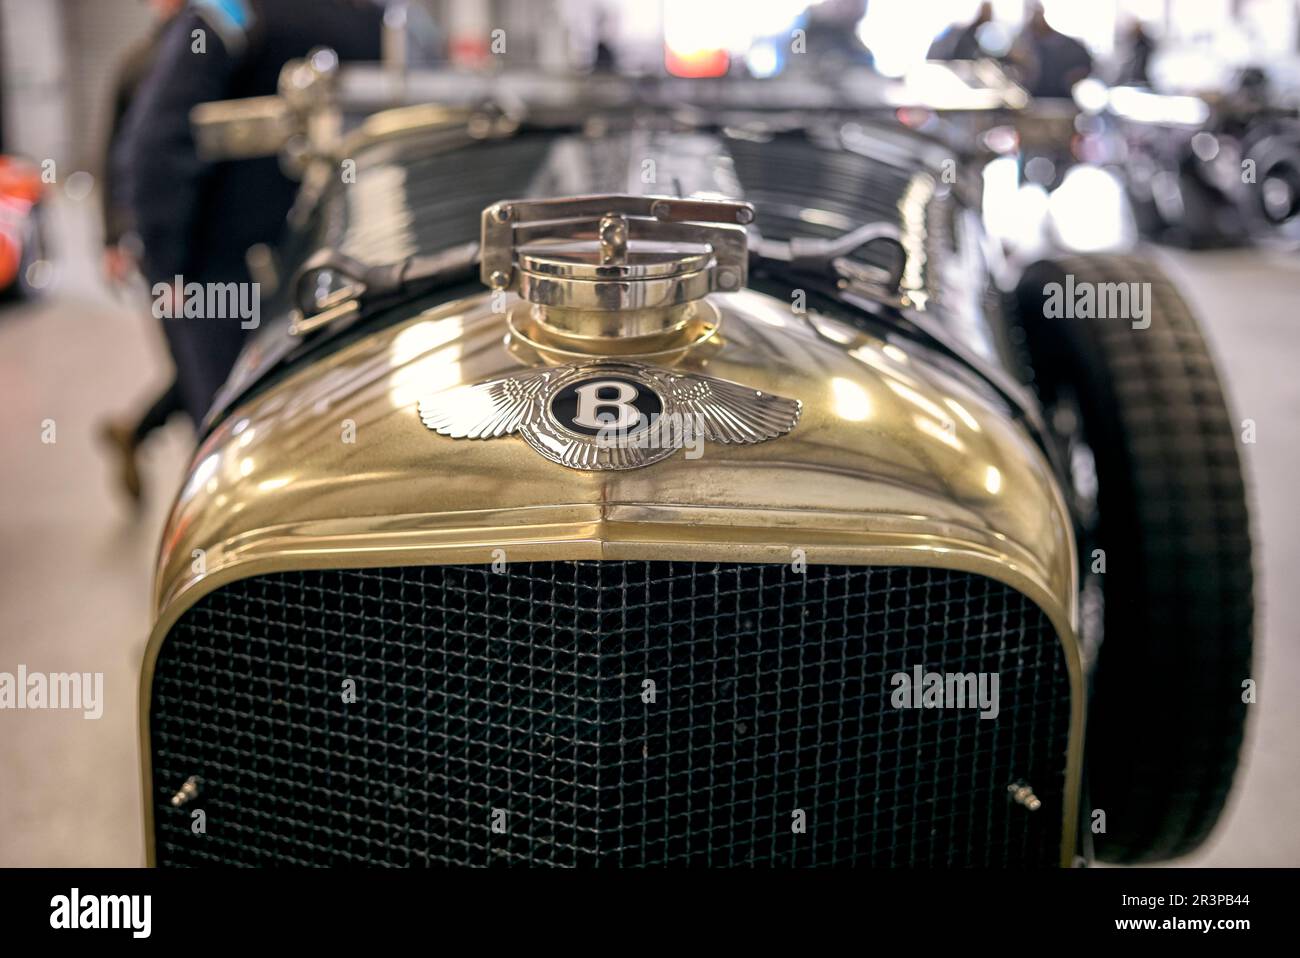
187,792
1024,795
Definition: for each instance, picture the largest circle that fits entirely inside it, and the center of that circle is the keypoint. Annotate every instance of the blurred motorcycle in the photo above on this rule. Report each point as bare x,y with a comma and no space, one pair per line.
1212,171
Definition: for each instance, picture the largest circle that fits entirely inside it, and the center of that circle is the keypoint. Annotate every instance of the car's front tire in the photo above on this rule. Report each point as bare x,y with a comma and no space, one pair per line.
1168,709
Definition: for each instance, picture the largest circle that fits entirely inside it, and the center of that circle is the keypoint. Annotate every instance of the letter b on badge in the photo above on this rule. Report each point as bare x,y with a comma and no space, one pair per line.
594,400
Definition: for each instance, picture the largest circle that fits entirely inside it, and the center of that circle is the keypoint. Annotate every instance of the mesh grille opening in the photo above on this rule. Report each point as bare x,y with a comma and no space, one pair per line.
523,691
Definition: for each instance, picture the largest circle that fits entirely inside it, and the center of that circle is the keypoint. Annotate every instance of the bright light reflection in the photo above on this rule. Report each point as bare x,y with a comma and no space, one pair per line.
1146,107
872,357
936,431
963,414
835,333
1088,210
203,473
415,373
917,400
851,400
762,59
772,315
993,480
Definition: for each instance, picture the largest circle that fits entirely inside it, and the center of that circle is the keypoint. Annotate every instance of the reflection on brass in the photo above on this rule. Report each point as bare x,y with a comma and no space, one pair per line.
894,462
661,335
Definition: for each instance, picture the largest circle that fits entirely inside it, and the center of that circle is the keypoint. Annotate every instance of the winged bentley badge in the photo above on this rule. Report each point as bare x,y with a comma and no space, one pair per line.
610,415
611,271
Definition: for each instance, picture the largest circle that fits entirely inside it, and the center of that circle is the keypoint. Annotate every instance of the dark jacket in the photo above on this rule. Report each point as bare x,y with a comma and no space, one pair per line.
195,218
131,72
1056,63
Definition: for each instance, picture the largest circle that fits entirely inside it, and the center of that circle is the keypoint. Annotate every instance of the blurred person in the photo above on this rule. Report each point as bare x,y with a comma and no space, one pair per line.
132,68
831,34
1048,62
124,437
196,219
605,59
961,41
1141,47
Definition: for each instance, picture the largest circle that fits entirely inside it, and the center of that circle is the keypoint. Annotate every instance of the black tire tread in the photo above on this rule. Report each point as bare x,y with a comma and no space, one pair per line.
1167,720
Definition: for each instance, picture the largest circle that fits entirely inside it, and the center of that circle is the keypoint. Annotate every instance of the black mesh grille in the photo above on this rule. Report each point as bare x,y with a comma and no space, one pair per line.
522,691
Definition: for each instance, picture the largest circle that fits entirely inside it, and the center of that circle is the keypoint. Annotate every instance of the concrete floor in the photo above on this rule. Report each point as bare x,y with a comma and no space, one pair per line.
75,562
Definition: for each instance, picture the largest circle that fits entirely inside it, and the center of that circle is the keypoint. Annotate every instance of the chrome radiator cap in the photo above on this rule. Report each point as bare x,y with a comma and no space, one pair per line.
614,273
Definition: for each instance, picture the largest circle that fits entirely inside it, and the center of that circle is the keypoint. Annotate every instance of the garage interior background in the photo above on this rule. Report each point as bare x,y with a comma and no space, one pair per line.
75,559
